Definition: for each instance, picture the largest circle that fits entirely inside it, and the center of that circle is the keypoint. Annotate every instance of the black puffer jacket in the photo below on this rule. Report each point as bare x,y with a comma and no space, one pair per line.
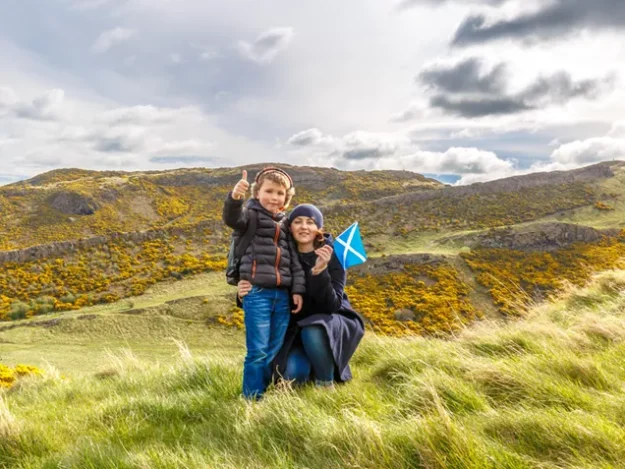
271,259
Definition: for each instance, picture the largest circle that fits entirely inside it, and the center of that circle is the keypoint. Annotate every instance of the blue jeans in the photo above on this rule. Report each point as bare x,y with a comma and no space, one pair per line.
313,354
267,312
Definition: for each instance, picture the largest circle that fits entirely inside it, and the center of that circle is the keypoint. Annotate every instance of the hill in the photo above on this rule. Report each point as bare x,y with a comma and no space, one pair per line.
442,255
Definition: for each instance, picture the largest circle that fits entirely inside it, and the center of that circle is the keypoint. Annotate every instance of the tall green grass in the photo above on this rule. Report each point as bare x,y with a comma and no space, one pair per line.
543,392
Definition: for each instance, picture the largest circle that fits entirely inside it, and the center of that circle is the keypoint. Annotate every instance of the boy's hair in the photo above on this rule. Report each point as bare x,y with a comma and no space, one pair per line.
277,176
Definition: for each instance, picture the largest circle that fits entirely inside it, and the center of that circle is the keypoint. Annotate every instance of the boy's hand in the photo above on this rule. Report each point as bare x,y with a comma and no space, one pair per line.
324,254
241,188
243,288
298,301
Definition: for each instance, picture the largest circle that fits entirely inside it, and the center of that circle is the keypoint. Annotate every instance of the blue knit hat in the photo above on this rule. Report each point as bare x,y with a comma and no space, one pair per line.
307,210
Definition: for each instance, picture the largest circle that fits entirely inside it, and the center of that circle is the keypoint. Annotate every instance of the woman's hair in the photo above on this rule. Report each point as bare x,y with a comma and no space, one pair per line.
277,176
320,239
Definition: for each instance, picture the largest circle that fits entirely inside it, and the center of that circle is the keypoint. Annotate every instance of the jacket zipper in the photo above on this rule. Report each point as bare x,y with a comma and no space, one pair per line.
275,241
254,268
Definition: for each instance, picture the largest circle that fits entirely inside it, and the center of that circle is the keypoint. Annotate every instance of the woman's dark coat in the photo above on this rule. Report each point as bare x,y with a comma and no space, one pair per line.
326,305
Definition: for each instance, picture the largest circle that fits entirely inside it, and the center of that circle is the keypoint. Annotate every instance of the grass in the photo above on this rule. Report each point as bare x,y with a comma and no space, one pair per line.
547,392
79,342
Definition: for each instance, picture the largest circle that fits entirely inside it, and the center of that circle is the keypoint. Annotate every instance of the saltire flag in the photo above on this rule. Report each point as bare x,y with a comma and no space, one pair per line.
349,248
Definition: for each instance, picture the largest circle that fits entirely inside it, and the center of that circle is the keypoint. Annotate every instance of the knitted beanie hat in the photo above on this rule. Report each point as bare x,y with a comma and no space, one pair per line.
307,210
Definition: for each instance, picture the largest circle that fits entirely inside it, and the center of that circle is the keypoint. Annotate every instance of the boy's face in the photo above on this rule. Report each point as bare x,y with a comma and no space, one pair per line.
272,196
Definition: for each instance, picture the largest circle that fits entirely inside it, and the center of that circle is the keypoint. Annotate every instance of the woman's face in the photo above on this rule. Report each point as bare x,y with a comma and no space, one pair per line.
304,230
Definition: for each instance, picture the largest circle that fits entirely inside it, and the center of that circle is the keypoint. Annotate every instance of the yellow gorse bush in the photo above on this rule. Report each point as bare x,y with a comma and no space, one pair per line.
434,293
514,277
101,274
9,376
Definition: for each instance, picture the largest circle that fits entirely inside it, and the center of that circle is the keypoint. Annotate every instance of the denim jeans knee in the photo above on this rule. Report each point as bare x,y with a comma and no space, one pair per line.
317,347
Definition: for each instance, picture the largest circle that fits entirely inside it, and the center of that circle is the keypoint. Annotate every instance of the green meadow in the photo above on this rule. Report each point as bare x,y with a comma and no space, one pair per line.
546,391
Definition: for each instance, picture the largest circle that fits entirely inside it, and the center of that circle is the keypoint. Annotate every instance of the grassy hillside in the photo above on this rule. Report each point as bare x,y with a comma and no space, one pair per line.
73,204
545,392
483,249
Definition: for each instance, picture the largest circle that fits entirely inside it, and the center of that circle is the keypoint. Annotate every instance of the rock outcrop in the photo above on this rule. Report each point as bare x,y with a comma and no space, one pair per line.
73,203
535,237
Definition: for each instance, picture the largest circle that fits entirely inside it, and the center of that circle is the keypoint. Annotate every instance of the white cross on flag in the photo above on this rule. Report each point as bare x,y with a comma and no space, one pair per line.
349,248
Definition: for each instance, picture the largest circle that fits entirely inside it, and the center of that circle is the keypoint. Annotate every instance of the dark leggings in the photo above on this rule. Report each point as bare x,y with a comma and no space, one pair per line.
314,354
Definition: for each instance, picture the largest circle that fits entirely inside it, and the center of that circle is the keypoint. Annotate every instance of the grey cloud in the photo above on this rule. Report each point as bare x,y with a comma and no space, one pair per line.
464,90
116,145
479,107
559,18
466,77
560,88
364,153
118,141
361,145
267,45
44,107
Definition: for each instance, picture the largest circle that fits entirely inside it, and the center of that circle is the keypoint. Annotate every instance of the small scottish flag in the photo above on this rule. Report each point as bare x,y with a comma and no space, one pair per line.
349,248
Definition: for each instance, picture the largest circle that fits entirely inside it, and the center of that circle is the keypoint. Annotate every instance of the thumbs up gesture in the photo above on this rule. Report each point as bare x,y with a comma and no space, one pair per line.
241,188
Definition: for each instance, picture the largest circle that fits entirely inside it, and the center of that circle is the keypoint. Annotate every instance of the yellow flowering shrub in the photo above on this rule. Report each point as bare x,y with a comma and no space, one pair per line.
9,376
514,278
100,274
234,318
434,293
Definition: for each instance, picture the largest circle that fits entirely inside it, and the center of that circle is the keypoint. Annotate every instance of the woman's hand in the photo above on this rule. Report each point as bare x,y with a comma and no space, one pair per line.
243,288
324,254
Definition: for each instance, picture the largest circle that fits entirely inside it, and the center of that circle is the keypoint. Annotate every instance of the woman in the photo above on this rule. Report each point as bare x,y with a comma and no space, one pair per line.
322,338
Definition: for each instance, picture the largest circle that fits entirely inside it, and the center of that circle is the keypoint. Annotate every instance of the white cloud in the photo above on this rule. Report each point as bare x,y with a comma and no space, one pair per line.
104,137
139,115
111,38
617,130
593,150
268,45
309,137
8,98
456,160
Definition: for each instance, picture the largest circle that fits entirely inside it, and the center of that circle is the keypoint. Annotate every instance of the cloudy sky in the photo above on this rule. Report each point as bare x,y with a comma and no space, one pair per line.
464,90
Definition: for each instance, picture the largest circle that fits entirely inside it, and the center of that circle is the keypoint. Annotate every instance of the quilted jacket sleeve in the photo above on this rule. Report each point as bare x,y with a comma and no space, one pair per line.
233,214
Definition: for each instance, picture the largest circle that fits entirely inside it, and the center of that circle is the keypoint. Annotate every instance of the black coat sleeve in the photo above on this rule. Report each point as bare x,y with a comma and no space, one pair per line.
298,282
233,214
327,287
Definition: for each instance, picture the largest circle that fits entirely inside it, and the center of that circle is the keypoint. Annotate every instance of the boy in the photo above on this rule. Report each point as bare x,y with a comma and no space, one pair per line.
271,265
